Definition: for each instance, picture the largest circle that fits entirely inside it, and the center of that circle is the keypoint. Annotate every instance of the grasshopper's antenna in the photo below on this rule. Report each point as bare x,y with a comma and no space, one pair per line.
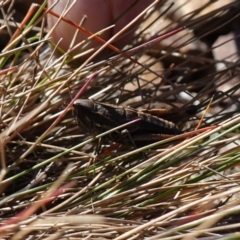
69,92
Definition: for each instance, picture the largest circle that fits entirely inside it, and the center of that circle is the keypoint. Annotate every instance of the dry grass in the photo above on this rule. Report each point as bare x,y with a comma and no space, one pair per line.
57,183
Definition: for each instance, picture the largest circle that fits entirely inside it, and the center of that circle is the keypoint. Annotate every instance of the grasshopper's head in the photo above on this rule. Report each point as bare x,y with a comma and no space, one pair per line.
83,111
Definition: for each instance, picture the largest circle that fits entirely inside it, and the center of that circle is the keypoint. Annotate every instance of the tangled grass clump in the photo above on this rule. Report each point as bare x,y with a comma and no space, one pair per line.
56,181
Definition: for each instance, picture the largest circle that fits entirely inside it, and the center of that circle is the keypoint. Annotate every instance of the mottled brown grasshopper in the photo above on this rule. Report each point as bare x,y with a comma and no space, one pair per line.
95,118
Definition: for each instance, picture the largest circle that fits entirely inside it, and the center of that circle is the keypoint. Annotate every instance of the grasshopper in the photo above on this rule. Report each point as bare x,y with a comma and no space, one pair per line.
95,117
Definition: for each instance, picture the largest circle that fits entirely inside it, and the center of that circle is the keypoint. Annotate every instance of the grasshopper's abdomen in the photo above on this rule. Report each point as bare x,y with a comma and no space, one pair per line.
153,124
